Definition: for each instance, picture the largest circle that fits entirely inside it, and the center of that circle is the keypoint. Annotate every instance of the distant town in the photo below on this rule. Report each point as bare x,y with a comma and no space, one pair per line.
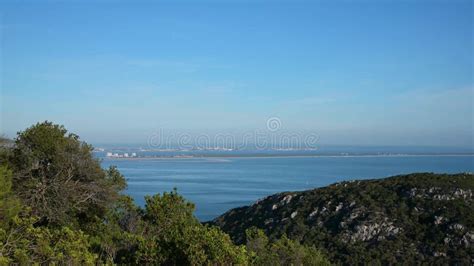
123,155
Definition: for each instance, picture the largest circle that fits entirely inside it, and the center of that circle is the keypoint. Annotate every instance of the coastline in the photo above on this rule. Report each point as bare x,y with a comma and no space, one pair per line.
284,156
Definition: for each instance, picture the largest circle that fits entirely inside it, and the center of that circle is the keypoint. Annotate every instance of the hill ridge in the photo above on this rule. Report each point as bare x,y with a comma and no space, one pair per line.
411,218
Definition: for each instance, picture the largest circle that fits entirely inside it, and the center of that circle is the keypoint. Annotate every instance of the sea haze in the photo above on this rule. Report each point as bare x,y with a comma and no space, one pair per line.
218,183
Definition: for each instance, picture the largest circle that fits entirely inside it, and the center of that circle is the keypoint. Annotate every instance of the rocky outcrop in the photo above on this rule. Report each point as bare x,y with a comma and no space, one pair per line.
413,218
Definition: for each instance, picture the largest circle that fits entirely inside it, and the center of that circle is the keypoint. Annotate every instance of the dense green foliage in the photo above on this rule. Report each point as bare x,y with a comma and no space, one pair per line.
56,175
282,251
58,206
407,219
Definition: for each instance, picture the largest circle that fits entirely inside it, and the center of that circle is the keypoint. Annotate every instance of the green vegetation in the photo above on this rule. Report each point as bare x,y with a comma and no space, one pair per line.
410,219
58,206
283,251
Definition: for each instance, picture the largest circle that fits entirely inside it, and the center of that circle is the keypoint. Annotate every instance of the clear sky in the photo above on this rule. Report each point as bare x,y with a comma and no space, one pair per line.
354,72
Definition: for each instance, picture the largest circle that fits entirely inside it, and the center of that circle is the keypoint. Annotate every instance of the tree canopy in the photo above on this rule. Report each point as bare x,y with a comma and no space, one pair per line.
58,206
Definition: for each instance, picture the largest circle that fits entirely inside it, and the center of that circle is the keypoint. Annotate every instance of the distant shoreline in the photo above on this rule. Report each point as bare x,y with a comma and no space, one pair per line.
281,156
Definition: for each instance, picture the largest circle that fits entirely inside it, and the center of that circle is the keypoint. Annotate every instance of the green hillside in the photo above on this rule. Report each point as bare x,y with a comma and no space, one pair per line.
422,217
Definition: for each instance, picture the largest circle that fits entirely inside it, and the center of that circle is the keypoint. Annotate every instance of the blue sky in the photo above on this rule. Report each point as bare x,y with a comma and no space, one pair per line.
354,72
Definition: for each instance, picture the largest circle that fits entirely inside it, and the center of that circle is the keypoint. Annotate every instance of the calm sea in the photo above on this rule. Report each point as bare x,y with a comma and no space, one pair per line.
216,185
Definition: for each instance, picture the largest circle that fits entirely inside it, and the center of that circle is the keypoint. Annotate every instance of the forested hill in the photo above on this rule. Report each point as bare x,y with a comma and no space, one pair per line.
411,218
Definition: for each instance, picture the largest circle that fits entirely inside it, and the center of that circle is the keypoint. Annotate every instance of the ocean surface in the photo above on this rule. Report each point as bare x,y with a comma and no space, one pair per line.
216,185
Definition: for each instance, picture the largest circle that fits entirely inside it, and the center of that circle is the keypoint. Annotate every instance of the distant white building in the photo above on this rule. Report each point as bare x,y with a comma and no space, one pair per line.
134,154
125,155
109,154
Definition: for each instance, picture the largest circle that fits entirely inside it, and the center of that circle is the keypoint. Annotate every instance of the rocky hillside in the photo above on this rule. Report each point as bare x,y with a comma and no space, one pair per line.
412,218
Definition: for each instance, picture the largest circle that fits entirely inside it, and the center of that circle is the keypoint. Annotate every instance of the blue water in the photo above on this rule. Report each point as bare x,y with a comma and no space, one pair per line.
216,185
